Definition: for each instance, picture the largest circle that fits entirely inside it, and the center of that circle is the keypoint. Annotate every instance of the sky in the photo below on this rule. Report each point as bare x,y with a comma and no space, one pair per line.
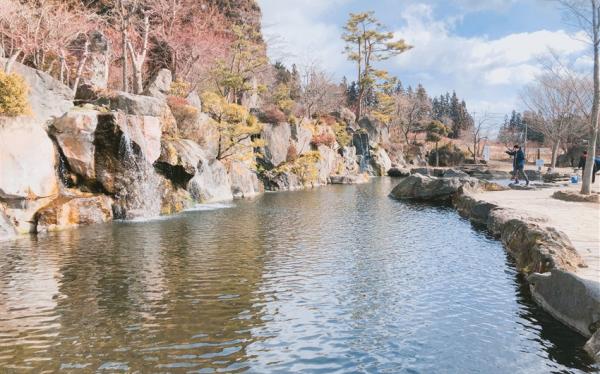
485,50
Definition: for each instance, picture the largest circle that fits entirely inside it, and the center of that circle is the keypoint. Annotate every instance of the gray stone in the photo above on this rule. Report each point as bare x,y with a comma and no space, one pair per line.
300,138
160,84
179,160
427,188
244,181
74,133
592,346
570,299
211,182
99,59
380,161
349,179
398,172
326,164
69,212
451,173
277,141
48,98
140,105
194,100
204,131
27,160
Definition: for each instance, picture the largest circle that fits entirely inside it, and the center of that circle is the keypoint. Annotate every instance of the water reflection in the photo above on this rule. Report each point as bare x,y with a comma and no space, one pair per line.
337,279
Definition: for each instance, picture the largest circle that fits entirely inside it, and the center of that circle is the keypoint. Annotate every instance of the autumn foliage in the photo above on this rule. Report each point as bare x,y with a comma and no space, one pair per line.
13,95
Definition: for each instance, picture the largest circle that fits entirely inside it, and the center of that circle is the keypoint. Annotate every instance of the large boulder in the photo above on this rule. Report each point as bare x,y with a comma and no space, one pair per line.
146,106
27,160
277,142
327,163
211,182
281,181
592,346
68,212
425,188
74,133
349,179
160,84
380,161
203,130
179,160
48,98
301,137
244,181
174,199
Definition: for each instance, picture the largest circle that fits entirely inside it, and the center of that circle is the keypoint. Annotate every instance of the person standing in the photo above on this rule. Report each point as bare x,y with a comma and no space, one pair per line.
583,160
518,163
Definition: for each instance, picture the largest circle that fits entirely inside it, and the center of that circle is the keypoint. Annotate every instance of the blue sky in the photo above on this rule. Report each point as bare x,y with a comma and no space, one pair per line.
486,50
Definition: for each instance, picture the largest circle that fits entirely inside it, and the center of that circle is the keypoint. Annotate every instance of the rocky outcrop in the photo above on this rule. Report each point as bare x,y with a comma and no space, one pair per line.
48,98
74,133
179,160
349,179
211,182
592,347
174,199
202,130
380,161
281,181
7,231
27,160
277,142
396,172
160,84
145,106
68,212
244,181
425,188
300,138
327,163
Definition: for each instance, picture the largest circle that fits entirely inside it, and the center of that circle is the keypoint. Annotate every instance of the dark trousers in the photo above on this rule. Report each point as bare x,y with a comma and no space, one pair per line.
520,170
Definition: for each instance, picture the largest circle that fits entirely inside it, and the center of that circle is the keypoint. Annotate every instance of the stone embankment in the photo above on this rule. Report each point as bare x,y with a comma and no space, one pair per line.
544,254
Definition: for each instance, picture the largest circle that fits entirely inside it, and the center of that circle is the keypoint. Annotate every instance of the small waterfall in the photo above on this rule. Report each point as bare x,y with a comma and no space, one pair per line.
140,193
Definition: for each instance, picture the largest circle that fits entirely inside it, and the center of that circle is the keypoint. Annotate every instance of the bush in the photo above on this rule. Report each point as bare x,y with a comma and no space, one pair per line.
323,139
292,153
179,88
450,155
181,109
272,115
341,135
13,95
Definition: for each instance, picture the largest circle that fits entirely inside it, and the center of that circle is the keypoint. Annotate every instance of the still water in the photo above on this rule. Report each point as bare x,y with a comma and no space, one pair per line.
338,279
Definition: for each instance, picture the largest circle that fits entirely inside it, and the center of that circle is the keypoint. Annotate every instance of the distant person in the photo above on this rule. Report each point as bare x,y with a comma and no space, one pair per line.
518,163
582,162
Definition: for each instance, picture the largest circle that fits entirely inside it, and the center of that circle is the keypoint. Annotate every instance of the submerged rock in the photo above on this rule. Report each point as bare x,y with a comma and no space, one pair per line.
68,212
398,172
349,179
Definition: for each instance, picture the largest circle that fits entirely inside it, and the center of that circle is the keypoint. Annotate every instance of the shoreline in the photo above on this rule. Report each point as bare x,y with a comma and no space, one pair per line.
542,253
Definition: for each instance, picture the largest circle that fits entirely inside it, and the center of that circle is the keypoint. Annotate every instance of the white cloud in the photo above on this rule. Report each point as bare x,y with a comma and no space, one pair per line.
300,36
488,73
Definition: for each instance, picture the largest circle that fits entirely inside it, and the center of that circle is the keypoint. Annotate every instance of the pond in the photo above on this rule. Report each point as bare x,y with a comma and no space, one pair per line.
336,279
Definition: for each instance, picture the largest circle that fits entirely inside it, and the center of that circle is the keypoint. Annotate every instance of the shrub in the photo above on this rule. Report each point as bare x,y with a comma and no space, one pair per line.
179,88
450,155
13,95
287,106
181,109
292,153
341,135
272,115
328,120
305,167
323,139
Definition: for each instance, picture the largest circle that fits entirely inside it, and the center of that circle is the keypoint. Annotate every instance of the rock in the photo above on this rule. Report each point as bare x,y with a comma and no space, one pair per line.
277,141
567,195
211,182
453,173
425,188
570,299
349,160
146,106
68,212
27,160
281,181
347,116
173,199
487,174
300,138
381,161
160,84
98,59
244,182
326,163
203,130
179,160
592,347
194,100
48,98
74,133
398,172
349,179
7,231
145,131
377,132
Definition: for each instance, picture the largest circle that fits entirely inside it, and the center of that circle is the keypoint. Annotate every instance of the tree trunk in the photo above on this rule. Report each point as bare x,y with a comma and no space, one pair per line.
586,185
11,61
437,156
125,85
81,66
554,154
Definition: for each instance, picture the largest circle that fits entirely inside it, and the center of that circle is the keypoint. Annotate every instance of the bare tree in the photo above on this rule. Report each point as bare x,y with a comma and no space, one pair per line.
586,16
318,94
552,104
139,57
478,133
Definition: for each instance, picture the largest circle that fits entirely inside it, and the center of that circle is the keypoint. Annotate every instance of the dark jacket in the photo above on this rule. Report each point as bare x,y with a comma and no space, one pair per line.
583,159
519,160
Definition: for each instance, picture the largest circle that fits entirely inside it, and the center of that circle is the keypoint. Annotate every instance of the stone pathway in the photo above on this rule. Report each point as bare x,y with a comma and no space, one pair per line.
580,221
